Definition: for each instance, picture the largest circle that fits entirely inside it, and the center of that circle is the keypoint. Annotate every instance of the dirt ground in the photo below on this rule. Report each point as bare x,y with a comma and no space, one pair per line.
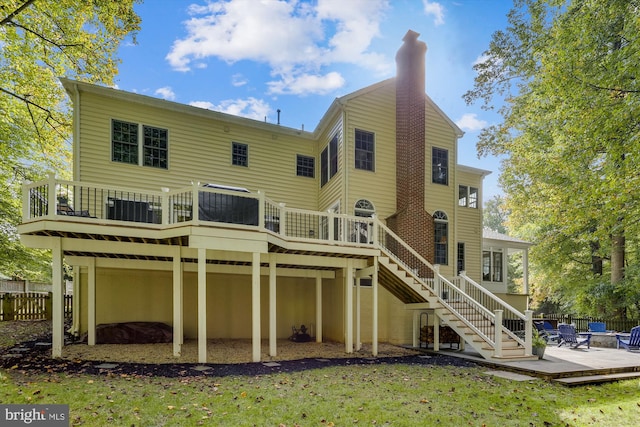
224,351
25,349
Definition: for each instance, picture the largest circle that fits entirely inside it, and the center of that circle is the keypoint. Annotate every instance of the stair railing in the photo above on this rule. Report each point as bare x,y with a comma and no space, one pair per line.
477,317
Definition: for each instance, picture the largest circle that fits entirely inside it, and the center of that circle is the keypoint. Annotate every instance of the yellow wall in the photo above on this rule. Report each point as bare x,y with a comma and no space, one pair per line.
468,226
125,295
146,295
199,151
372,112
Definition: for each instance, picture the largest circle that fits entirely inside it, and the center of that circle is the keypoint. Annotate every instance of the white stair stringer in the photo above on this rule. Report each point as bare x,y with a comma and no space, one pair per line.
467,321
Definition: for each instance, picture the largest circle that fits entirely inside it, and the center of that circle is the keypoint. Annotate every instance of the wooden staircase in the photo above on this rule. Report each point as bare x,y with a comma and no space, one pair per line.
474,319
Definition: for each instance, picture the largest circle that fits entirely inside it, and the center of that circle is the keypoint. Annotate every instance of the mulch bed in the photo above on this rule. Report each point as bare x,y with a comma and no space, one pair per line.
32,357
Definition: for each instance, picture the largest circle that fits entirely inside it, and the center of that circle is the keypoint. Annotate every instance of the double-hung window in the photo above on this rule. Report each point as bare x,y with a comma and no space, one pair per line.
329,161
364,154
239,154
305,166
124,142
492,266
441,234
468,197
440,166
155,147
128,147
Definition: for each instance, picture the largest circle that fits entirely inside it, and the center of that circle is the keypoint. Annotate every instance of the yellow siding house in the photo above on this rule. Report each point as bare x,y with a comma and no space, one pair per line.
225,227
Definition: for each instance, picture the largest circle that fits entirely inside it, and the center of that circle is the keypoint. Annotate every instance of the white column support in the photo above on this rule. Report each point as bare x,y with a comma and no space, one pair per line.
525,273
202,305
273,330
255,307
318,306
436,332
358,338
528,331
75,302
374,327
348,302
497,352
57,301
178,327
91,301
416,329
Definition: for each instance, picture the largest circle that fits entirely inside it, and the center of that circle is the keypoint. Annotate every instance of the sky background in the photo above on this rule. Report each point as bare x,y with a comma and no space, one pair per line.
253,57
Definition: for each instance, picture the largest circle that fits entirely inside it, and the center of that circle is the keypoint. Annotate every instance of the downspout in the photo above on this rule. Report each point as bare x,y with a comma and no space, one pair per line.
345,148
76,133
75,138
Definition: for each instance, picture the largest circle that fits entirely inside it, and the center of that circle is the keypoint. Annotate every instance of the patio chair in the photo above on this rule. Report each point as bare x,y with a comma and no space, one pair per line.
546,330
597,327
569,336
633,343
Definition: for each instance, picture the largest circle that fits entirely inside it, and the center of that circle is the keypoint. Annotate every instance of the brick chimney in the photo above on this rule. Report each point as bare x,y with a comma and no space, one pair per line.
411,222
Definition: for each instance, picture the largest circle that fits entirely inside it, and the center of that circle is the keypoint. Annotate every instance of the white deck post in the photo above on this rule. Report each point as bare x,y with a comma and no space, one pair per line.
318,306
52,202
525,273
202,305
255,307
348,302
358,339
177,303
57,299
273,331
528,331
75,302
374,328
91,301
436,332
416,329
498,333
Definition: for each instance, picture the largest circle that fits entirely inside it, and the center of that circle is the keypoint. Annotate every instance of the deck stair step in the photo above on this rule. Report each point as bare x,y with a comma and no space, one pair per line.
595,379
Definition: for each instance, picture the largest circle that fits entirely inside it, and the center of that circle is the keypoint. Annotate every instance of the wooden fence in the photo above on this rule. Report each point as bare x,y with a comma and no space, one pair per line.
582,323
30,306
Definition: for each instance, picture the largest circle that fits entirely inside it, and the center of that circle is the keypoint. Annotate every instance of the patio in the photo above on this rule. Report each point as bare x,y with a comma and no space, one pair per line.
569,366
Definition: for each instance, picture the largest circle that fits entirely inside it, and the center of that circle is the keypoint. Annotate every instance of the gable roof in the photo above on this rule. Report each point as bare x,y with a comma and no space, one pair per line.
340,101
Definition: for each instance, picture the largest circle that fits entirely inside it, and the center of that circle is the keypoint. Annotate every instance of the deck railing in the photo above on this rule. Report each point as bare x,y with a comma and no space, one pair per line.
59,199
97,203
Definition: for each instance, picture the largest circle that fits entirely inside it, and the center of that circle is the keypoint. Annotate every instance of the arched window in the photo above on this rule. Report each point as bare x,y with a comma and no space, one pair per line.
364,208
441,234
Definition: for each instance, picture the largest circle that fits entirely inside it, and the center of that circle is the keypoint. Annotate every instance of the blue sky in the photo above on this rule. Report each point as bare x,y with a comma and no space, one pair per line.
253,57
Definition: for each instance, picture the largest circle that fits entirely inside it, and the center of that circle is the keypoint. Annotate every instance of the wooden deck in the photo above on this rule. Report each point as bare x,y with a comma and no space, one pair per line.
569,366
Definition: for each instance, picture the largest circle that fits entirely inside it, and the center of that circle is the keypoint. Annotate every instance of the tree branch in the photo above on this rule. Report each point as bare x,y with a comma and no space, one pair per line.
16,12
58,45
28,102
608,89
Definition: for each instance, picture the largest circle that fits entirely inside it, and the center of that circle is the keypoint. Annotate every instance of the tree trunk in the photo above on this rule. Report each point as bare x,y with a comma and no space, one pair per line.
617,258
596,260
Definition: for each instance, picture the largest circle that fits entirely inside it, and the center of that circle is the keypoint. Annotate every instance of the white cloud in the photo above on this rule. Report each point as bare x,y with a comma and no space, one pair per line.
434,9
251,108
166,93
305,84
470,122
202,104
296,39
238,80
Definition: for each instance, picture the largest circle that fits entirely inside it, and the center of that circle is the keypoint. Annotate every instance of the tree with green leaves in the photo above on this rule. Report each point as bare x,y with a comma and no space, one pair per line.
568,73
494,215
41,40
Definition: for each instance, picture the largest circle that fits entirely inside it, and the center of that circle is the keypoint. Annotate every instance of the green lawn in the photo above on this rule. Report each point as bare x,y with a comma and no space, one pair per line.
390,395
